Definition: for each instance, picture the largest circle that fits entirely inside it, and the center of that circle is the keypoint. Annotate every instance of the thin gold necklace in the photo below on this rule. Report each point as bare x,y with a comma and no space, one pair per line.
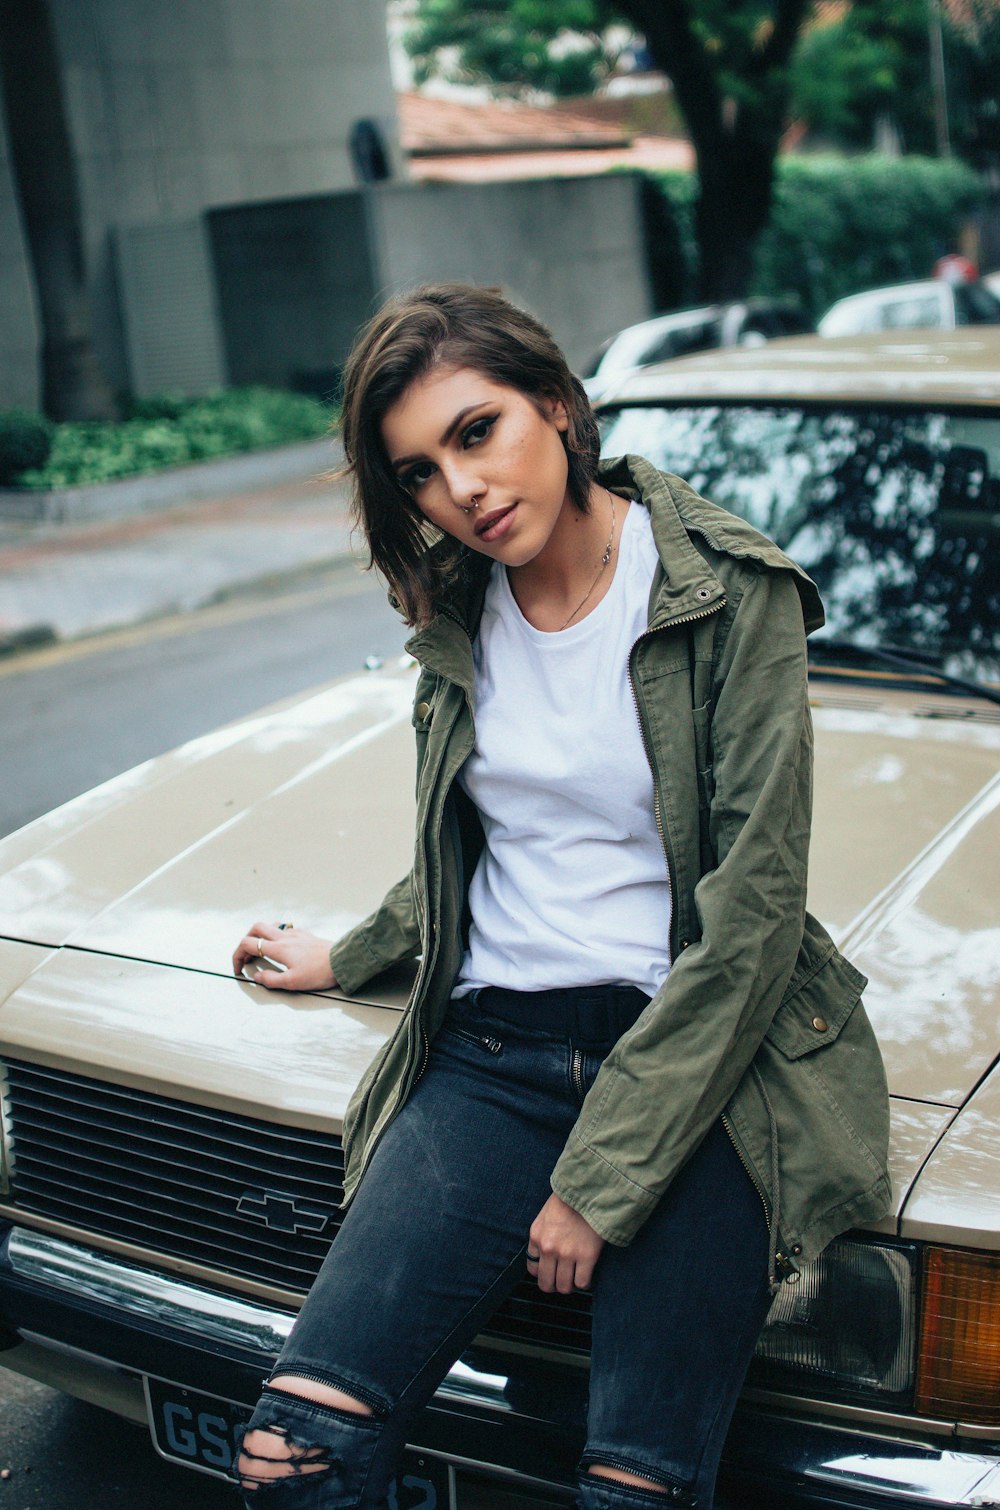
600,570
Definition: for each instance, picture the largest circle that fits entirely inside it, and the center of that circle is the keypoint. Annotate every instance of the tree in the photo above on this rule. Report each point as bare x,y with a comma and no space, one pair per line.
560,48
729,64
872,63
73,386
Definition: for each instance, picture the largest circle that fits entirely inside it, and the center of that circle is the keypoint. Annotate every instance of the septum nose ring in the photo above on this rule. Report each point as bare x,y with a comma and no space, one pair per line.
473,505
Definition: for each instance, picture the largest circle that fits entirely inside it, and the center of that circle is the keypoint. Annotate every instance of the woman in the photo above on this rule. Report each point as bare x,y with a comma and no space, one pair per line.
632,1063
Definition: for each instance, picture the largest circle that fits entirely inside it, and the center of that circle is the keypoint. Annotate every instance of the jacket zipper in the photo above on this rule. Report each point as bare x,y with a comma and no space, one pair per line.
754,1180
689,618
751,1172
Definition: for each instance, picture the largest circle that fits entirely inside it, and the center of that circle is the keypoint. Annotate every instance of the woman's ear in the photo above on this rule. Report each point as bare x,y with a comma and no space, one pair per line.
559,414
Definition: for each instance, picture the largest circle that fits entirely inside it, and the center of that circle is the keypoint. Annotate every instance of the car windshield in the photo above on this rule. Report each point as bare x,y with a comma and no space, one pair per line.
895,514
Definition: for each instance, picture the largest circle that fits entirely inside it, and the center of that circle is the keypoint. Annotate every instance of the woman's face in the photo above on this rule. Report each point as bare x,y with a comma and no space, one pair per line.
481,461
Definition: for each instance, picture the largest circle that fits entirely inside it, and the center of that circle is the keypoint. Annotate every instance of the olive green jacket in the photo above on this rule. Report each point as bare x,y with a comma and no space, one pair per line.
760,1019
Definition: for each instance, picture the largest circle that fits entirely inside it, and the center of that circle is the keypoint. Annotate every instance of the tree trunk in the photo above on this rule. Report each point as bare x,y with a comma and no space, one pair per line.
735,144
73,385
732,209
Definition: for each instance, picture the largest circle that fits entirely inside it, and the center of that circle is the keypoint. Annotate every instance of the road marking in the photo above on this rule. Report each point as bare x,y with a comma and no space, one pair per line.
212,616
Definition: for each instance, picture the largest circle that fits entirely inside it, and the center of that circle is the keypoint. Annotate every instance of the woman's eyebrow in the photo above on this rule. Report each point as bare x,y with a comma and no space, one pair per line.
404,461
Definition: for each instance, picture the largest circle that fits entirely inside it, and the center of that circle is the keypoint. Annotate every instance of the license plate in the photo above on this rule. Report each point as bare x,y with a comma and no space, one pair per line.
198,1431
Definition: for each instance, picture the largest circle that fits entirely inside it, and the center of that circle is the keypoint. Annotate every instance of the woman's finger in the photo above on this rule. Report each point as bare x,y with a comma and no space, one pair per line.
565,1279
259,943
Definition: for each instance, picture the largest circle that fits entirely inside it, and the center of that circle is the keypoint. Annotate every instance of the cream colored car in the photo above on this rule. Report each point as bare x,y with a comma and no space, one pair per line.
171,1156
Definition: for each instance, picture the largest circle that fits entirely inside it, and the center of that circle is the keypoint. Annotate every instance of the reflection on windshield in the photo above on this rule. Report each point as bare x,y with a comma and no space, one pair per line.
895,515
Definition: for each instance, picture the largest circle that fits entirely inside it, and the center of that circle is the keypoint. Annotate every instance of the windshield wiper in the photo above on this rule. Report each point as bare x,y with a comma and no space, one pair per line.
904,659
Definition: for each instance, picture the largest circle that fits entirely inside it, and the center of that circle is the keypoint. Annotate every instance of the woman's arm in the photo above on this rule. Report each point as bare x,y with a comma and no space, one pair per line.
669,1078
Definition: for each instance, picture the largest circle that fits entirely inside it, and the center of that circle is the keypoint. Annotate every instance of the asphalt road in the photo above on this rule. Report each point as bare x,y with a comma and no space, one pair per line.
77,714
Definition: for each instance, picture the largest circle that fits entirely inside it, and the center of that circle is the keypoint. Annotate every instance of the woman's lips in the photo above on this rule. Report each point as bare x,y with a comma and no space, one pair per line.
495,524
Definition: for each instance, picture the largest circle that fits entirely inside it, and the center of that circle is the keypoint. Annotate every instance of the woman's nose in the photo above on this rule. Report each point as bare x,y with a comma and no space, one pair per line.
464,483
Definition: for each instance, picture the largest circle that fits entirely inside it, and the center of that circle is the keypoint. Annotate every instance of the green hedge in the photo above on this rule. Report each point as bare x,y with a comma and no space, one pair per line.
171,430
839,225
25,441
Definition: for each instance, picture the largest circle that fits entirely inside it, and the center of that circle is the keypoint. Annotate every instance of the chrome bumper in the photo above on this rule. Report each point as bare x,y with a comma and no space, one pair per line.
825,1461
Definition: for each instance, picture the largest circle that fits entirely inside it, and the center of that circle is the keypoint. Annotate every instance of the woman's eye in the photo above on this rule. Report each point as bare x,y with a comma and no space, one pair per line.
416,476
478,430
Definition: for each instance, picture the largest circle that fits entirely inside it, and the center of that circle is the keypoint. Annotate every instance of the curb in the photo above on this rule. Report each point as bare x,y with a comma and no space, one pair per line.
170,488
42,636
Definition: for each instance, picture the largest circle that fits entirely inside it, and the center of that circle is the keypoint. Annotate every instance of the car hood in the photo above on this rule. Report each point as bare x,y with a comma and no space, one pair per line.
304,814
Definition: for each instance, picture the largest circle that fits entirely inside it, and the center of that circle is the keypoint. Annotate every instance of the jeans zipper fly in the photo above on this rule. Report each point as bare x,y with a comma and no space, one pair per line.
576,1073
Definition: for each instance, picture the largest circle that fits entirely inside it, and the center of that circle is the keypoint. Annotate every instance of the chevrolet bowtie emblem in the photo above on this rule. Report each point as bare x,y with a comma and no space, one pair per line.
280,1213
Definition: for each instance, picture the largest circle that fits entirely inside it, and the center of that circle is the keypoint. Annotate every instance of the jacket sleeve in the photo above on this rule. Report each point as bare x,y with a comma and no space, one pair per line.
669,1078
389,935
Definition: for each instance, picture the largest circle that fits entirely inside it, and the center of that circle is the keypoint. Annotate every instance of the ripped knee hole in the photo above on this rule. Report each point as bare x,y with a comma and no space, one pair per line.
269,1453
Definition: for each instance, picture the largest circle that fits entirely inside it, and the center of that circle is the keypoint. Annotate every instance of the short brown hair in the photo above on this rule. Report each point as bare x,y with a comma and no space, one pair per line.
459,325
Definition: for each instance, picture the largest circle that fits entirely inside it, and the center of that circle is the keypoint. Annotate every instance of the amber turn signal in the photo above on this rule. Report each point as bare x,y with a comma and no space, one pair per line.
958,1371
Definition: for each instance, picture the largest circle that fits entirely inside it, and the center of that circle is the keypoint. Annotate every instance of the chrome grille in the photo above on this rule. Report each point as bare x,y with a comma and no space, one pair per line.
237,1194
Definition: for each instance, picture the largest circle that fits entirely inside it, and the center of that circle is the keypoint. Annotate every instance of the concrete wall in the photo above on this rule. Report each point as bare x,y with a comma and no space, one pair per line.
19,377
225,237
179,106
570,250
296,278
294,281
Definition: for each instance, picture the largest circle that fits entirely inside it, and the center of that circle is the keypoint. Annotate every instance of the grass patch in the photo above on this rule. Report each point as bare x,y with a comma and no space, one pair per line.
172,431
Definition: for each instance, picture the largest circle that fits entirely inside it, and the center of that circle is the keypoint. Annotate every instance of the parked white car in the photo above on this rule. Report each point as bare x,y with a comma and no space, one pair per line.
749,322
934,303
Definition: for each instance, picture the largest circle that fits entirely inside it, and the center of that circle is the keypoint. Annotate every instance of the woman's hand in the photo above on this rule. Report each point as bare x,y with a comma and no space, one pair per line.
567,1248
305,957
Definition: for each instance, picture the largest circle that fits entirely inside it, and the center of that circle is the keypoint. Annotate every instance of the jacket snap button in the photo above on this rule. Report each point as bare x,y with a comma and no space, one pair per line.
423,711
820,1024
684,943
703,593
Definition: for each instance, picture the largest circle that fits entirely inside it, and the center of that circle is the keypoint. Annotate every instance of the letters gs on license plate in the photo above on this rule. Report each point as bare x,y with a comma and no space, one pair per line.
198,1431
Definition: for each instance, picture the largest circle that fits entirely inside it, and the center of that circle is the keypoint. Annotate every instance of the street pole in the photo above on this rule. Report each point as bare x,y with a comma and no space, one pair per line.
938,82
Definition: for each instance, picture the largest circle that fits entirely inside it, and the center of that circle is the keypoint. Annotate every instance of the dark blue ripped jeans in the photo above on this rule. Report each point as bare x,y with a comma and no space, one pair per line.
436,1238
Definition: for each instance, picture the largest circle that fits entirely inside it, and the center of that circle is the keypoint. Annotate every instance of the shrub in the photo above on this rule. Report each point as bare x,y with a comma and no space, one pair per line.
25,441
839,225
170,430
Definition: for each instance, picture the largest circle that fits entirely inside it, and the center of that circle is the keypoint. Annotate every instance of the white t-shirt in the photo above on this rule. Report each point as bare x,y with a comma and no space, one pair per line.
572,887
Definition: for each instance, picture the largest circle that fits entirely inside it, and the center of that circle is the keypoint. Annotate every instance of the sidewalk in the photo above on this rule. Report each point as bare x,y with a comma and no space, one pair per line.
61,581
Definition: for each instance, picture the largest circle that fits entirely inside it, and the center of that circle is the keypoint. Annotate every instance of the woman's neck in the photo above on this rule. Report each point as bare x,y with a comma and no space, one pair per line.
570,576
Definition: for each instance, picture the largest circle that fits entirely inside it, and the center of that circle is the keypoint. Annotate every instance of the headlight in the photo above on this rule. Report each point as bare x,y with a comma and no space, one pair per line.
851,1329
958,1372
847,1326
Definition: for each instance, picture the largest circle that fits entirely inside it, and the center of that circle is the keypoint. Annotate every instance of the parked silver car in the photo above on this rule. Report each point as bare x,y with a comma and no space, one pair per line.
934,303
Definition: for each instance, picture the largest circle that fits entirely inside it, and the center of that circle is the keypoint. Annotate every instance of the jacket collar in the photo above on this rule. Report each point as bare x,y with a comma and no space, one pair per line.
686,586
